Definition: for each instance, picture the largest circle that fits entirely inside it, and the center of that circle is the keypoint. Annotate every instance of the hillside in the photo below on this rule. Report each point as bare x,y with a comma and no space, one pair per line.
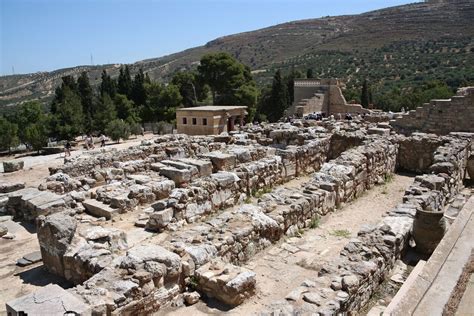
416,39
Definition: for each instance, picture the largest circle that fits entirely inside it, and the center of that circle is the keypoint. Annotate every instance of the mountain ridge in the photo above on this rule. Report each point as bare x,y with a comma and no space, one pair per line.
271,46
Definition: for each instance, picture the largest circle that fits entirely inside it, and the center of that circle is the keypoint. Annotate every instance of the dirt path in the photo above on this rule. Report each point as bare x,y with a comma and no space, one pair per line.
283,267
36,167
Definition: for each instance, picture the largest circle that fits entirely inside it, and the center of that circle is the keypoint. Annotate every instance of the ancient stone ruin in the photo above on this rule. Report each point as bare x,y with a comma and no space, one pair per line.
176,220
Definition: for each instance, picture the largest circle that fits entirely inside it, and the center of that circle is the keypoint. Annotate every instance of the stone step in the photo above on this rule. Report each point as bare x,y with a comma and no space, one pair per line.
99,209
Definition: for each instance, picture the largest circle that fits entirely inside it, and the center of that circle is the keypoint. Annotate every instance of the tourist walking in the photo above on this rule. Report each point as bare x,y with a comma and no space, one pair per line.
67,149
102,140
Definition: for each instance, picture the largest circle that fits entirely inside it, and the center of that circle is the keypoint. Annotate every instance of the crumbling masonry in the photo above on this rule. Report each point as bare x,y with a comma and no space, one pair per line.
194,193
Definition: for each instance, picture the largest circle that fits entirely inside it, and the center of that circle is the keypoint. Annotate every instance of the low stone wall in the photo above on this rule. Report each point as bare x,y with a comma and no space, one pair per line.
417,152
348,283
236,236
440,116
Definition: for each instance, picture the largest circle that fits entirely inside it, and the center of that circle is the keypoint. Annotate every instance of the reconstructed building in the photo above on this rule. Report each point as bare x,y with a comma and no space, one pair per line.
209,119
321,95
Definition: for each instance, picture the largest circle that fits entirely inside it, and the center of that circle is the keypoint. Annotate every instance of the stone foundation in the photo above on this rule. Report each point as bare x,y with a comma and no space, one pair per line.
196,197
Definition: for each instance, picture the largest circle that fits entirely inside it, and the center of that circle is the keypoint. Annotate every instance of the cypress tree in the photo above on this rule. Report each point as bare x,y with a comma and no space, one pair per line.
87,99
364,96
105,114
107,85
275,105
124,85
138,92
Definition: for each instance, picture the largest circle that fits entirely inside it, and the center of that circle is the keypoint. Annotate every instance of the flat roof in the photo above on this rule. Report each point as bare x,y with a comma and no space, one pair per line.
213,108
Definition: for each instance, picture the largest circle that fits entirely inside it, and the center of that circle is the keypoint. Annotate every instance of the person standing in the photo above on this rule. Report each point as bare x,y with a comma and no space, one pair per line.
102,140
67,149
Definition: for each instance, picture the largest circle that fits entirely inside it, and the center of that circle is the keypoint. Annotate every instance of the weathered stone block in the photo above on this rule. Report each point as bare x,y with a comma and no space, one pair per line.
160,219
99,209
221,161
179,176
13,165
7,187
226,282
55,233
52,300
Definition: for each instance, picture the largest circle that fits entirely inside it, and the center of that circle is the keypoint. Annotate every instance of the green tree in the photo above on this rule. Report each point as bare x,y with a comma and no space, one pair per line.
125,109
37,135
248,95
277,101
138,92
186,83
87,100
124,84
117,129
107,85
224,75
169,100
105,114
364,96
148,112
67,120
8,134
162,102
28,113
309,73
69,83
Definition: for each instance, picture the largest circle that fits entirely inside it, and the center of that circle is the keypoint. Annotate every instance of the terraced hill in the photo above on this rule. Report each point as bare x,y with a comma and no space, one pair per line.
416,39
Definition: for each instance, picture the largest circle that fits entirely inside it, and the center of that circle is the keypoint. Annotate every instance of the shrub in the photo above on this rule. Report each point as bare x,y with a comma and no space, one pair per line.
118,129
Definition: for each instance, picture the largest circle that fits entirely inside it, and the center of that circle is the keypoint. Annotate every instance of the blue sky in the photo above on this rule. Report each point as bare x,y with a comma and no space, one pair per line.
43,35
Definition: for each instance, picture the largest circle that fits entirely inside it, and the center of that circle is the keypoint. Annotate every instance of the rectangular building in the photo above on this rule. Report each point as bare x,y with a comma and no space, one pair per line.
209,119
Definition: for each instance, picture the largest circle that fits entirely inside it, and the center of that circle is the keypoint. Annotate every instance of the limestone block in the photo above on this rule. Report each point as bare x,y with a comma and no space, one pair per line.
99,209
7,187
181,165
3,230
221,161
55,233
226,282
51,299
470,166
160,219
13,165
179,176
161,189
225,179
151,256
204,166
241,153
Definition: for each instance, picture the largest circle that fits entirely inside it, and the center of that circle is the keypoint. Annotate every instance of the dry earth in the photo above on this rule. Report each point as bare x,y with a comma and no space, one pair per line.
36,167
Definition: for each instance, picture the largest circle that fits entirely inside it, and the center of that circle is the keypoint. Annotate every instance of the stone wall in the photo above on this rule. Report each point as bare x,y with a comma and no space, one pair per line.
234,235
440,116
348,284
416,152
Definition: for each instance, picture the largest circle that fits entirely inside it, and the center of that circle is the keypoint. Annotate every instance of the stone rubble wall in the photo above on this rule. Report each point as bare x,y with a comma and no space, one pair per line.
225,189
440,116
148,276
417,152
234,236
349,282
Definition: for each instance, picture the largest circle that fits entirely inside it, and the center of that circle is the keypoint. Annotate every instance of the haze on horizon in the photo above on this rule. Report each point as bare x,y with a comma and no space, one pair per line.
44,35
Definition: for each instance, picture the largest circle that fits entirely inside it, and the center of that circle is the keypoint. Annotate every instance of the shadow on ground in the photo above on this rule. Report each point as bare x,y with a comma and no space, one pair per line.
40,276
